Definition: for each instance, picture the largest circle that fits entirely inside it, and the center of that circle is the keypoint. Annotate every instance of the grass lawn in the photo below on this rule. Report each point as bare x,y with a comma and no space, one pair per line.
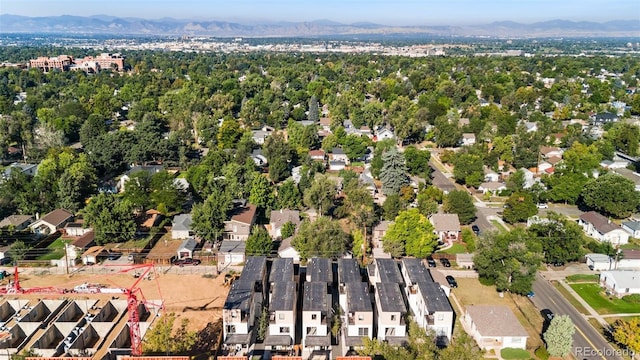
457,248
583,278
572,300
54,251
594,296
511,353
632,244
499,226
132,244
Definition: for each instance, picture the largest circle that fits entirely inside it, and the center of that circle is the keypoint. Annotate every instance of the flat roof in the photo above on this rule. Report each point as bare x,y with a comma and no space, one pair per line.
254,268
283,296
388,271
434,297
315,297
239,296
390,296
358,298
348,271
319,269
416,271
281,270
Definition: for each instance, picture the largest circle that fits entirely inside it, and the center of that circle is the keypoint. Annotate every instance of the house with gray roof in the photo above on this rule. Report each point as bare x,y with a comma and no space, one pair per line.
602,229
379,231
279,218
446,226
231,252
27,169
494,327
629,259
16,222
281,333
384,271
181,227
599,262
316,318
186,248
320,269
621,282
358,315
390,313
281,271
632,227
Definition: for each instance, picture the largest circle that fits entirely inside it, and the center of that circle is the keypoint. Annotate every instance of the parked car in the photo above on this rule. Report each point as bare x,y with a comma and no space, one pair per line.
452,281
475,229
558,263
543,206
431,262
114,256
445,262
531,294
186,261
547,314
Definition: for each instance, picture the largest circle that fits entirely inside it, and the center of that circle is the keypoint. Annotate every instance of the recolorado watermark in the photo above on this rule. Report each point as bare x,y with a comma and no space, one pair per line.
606,353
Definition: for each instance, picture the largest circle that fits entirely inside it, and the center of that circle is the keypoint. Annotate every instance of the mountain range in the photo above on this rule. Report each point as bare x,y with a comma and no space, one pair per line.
104,24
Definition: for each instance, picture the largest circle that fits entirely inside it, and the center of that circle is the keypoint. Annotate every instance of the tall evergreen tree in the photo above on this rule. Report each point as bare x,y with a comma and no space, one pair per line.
394,172
314,111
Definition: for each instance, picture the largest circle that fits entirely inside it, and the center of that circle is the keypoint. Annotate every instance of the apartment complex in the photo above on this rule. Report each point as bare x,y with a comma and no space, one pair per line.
88,63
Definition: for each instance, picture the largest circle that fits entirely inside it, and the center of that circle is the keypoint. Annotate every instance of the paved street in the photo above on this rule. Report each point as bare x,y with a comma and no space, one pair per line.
587,342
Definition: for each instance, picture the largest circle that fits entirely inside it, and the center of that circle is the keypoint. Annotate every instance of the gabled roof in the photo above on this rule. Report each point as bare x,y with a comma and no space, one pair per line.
316,153
469,136
337,151
495,320
599,222
624,279
283,216
631,254
15,220
545,150
182,222
232,247
188,244
445,222
383,225
244,214
325,121
633,225
85,240
57,217
493,185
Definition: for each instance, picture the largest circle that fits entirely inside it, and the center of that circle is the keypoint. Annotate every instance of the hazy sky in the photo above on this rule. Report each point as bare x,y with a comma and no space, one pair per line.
397,12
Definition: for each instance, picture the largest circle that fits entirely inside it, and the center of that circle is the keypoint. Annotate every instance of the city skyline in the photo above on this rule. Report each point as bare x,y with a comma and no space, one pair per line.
401,12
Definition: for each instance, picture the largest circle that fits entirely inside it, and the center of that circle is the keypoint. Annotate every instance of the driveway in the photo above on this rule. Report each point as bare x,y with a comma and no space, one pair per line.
587,342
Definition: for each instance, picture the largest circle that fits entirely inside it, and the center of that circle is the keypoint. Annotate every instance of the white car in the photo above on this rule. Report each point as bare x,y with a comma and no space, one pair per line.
543,206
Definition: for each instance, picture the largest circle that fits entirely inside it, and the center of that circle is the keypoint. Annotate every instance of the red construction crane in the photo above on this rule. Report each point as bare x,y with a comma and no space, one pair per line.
134,294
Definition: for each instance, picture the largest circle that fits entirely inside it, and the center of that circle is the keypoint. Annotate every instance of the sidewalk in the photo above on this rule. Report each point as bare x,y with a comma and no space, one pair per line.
592,313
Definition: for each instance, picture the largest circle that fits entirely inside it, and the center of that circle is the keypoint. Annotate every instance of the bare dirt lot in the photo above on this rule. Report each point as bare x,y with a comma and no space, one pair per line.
189,296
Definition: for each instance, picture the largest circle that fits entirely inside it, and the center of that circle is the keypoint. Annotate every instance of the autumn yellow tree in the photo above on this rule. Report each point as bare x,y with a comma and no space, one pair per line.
627,333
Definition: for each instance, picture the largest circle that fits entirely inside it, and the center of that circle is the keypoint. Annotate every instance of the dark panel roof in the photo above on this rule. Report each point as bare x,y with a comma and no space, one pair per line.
319,269
358,298
388,271
348,271
283,296
239,296
315,297
254,268
391,299
416,271
281,270
434,297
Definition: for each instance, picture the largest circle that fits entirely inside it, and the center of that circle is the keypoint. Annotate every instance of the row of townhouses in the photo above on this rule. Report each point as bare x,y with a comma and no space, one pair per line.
303,304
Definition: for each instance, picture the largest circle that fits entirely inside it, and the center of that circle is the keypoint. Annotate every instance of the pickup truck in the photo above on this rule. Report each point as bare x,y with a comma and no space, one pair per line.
186,261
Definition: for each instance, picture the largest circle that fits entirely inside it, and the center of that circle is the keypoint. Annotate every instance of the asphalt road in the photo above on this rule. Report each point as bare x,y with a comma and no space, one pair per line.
587,342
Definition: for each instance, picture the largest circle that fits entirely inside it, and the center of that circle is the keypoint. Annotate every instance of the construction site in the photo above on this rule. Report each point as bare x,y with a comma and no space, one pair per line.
102,317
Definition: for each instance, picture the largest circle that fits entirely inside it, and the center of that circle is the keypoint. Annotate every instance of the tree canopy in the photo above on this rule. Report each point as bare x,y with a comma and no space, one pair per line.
410,234
461,203
323,237
611,194
394,172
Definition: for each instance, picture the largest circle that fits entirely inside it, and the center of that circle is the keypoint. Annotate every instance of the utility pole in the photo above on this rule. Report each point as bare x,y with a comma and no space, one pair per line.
66,258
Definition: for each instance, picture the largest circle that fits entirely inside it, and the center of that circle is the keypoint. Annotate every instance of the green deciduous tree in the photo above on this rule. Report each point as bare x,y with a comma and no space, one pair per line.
468,169
461,203
259,242
323,237
320,194
561,238
519,207
611,194
162,339
411,234
509,260
209,217
559,336
261,193
394,172
111,218
565,187
288,196
417,161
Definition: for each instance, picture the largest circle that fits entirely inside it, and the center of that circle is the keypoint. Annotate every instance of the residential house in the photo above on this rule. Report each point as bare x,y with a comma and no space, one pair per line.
604,118
243,307
238,227
150,169
366,131
383,134
544,167
231,252
75,229
447,227
602,229
27,169
599,262
93,255
621,282
531,126
281,217
629,259
316,319
390,313
494,327
616,163
281,271
259,136
379,231
317,155
631,175
427,300
325,124
348,272
320,270
337,154
181,227
358,315
286,250
366,180
281,334
468,139
550,151
529,178
16,222
490,175
492,187
632,227
79,246
51,222
186,248
384,271
258,158
337,165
